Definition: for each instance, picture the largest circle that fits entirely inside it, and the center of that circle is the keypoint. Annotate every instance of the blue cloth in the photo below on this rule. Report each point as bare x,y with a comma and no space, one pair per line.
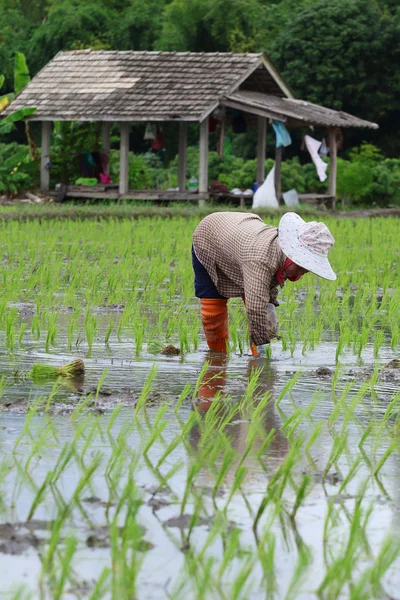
282,135
203,284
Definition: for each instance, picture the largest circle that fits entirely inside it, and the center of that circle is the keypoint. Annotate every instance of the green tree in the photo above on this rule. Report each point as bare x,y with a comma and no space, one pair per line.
344,54
139,25
15,31
71,25
211,25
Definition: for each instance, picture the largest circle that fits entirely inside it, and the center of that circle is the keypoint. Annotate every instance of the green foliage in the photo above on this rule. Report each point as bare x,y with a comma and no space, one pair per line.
138,26
7,124
15,32
16,168
212,26
368,177
71,25
13,163
140,174
68,141
6,99
344,54
21,72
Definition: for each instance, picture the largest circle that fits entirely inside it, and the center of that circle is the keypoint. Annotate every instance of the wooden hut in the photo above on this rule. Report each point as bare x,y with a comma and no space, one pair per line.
185,87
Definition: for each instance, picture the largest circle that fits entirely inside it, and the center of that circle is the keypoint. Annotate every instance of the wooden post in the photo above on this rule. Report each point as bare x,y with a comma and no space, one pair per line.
124,158
45,156
333,164
183,128
203,166
105,141
222,137
278,185
261,148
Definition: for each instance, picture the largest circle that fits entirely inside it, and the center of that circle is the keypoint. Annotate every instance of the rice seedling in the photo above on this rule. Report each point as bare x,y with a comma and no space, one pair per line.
248,458
90,329
72,369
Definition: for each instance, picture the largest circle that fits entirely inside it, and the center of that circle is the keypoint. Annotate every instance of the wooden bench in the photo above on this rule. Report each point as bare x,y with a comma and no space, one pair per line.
111,192
318,199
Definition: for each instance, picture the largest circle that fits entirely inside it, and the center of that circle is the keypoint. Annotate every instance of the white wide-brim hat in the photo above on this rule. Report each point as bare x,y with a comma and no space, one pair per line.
306,244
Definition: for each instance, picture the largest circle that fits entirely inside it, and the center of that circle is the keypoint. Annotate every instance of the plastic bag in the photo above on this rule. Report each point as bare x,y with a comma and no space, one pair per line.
150,132
265,196
291,198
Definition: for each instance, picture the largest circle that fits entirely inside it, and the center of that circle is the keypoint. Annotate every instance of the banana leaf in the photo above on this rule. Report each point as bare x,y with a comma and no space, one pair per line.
21,72
19,114
7,123
1,80
5,101
15,160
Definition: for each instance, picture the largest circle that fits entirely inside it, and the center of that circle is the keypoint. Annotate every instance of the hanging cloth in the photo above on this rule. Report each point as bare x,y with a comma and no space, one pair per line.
313,146
282,135
158,143
324,150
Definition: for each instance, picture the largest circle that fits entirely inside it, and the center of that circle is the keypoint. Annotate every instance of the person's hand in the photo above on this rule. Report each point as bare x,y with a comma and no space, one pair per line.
258,350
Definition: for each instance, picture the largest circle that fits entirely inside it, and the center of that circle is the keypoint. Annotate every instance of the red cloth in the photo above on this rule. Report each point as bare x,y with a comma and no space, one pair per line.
105,178
280,274
158,142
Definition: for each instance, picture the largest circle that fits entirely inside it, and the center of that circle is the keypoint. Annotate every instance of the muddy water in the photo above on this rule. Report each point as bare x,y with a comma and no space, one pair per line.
164,561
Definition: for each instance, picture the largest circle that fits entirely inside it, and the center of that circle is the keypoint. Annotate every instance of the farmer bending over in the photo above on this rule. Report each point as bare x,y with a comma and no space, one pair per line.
237,255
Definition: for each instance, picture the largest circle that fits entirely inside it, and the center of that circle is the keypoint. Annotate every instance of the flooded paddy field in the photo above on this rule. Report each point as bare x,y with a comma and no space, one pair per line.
195,475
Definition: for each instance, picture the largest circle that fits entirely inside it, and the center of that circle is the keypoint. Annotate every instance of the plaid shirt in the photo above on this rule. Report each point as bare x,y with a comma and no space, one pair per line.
242,256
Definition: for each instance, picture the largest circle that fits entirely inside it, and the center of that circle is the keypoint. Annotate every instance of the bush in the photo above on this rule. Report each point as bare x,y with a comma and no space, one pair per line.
385,188
367,177
140,174
17,170
69,140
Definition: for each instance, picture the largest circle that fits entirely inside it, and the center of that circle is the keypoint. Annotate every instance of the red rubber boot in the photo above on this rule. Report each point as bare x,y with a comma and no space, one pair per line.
214,316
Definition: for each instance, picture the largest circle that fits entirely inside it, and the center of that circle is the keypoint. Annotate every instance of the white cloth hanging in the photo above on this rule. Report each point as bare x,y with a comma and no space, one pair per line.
313,146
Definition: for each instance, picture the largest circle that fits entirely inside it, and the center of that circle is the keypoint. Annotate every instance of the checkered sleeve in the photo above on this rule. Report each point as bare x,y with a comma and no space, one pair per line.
257,280
273,296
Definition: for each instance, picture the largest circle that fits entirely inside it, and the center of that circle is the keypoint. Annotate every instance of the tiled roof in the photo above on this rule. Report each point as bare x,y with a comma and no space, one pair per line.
294,112
166,86
104,85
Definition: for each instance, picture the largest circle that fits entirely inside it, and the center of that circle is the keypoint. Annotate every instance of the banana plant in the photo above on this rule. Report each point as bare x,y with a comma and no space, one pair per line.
6,99
21,79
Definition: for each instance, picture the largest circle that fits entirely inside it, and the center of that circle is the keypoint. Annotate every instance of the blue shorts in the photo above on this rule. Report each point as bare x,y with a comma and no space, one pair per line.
203,284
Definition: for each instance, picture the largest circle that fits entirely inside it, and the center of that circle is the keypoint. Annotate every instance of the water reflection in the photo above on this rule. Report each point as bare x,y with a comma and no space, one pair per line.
262,378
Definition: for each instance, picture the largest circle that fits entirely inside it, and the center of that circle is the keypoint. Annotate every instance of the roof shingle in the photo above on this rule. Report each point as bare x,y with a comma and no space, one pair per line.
103,85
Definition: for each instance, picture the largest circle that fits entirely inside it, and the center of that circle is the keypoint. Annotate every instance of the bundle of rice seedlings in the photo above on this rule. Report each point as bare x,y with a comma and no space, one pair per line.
76,367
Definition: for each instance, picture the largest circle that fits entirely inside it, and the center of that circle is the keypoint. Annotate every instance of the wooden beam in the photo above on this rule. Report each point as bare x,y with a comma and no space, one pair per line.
183,129
333,164
106,141
124,158
45,156
261,148
278,184
203,163
254,110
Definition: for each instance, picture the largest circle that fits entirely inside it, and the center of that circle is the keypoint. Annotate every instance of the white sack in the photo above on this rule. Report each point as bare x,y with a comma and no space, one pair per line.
265,196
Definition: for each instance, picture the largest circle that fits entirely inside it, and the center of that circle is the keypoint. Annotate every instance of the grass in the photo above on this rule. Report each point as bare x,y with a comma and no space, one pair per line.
277,488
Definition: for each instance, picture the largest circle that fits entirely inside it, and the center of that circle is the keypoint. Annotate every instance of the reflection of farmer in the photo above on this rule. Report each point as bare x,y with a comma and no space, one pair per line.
213,384
237,255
